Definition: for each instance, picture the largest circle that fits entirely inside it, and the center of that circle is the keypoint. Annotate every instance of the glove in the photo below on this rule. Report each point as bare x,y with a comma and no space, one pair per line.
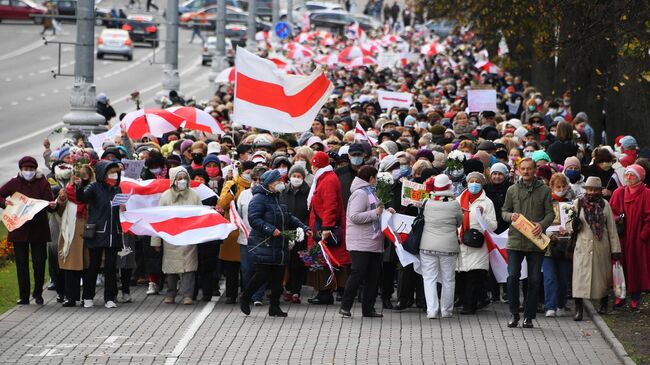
616,256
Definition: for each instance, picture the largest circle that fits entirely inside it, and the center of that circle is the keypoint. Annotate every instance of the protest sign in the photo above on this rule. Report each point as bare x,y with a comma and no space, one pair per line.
412,193
481,100
387,60
22,210
133,168
526,227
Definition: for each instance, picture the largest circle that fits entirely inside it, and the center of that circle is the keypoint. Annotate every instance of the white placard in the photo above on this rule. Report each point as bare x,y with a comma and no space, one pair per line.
480,100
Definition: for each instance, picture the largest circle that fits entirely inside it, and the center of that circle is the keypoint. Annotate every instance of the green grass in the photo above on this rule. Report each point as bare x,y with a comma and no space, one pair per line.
9,284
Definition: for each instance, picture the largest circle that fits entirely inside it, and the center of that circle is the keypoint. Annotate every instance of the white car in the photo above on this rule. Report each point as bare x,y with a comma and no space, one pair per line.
114,42
308,7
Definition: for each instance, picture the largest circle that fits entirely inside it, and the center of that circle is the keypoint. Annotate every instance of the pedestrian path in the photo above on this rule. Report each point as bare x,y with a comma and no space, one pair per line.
149,332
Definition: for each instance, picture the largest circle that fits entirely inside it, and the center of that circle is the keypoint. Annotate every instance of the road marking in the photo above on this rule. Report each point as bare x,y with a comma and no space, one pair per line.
29,98
14,103
189,334
25,49
45,58
55,91
31,135
43,71
43,94
19,77
8,79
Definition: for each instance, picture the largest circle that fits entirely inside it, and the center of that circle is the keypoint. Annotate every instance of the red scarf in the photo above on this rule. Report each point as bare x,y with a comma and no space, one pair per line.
466,199
558,199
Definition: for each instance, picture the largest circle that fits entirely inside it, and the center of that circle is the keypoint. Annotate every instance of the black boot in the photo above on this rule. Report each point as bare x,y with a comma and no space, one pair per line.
604,302
579,309
275,311
387,304
514,321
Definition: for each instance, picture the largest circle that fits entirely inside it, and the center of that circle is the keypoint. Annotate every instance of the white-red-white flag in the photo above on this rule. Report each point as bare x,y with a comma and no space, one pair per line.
361,135
180,225
268,98
390,99
146,193
235,219
354,31
396,227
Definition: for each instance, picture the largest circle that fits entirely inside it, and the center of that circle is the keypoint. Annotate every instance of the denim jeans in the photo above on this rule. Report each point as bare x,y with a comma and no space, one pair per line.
534,261
556,274
247,271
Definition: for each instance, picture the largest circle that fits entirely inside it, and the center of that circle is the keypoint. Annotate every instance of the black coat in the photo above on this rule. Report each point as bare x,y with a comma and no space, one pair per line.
267,212
297,202
345,174
558,151
98,197
106,111
497,194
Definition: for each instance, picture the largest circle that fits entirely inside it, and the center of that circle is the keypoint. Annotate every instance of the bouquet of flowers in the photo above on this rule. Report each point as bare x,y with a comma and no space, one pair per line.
384,187
455,160
79,158
294,236
313,258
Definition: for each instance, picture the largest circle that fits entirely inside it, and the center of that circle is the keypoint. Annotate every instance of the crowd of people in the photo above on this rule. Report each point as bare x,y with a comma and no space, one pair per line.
481,169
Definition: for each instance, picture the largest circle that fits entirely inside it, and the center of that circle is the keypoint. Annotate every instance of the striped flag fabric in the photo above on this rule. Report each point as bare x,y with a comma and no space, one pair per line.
268,98
146,193
396,227
235,219
361,135
179,225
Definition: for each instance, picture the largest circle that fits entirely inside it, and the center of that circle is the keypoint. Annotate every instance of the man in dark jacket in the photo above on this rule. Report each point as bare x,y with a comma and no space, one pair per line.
347,173
33,233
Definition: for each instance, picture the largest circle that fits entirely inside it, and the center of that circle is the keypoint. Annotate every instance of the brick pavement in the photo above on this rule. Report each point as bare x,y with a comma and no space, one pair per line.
149,332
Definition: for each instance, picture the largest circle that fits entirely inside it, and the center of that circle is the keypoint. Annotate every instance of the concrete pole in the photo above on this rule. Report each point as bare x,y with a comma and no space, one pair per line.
219,61
290,13
83,104
251,44
170,80
275,12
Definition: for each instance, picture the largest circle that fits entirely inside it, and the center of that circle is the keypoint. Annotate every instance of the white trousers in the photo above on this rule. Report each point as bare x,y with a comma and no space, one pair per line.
439,268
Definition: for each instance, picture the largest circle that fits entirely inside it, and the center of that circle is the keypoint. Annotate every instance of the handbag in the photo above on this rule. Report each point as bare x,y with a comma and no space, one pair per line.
473,238
620,220
561,248
90,231
412,242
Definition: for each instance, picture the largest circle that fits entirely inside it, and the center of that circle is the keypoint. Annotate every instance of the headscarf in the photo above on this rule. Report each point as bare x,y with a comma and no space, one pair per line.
594,214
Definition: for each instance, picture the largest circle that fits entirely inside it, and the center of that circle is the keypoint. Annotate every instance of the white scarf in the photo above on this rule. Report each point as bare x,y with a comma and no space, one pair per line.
312,189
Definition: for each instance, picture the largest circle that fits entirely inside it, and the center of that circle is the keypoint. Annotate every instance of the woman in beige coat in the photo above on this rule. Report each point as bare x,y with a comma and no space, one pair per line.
597,245
178,261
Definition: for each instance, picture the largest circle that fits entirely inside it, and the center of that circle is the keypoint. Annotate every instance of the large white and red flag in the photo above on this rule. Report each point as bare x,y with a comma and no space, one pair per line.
361,135
390,99
235,219
267,98
146,193
396,228
177,224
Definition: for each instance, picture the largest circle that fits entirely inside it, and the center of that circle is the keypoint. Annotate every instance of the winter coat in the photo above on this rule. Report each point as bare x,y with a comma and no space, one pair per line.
106,111
635,243
533,201
327,204
497,193
578,188
231,189
266,213
592,266
441,220
472,258
77,258
242,208
38,228
346,175
98,196
297,202
177,259
361,219
558,151
606,177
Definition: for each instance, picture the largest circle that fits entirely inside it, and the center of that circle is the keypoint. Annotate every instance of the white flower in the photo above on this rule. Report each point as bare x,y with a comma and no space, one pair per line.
456,155
385,177
300,235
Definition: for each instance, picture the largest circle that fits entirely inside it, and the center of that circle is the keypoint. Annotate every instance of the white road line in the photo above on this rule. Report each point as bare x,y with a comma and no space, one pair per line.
8,79
19,77
25,49
32,73
189,333
29,98
43,94
43,71
55,91
14,103
31,135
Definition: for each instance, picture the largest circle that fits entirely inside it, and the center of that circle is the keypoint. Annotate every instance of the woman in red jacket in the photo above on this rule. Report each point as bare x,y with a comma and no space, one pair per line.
327,221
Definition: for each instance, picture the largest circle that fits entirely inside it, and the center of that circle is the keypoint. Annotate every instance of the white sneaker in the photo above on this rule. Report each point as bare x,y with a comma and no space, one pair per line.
126,298
432,315
550,313
258,303
447,315
110,304
561,312
88,303
153,289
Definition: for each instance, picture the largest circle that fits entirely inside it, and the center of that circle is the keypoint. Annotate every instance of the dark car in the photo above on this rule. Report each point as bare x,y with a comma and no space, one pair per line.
142,29
336,20
21,10
207,17
264,7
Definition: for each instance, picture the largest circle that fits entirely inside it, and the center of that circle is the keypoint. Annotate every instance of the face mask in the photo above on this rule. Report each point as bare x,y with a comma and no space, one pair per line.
197,158
560,193
302,164
356,160
593,197
246,177
528,154
156,171
279,187
212,171
354,117
552,111
296,182
605,165
181,184
531,108
404,170
474,188
538,101
423,125
282,171
573,175
28,175
396,174
112,176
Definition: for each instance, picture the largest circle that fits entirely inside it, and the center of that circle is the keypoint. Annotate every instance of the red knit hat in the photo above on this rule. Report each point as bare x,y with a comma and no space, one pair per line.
320,159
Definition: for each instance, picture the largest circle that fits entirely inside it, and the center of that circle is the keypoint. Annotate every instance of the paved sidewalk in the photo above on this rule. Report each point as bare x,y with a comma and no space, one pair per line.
149,332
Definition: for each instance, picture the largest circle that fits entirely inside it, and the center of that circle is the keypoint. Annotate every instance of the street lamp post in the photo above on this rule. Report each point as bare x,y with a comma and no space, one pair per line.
219,56
83,104
170,80
251,44
275,12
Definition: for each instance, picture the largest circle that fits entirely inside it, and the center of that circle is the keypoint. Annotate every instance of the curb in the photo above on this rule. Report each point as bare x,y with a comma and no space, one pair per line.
613,342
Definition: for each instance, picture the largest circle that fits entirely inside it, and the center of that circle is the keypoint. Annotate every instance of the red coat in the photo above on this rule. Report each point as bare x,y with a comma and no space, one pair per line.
327,203
635,243
37,229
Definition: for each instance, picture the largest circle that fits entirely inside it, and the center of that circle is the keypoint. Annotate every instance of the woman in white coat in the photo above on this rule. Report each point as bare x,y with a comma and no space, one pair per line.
474,263
439,247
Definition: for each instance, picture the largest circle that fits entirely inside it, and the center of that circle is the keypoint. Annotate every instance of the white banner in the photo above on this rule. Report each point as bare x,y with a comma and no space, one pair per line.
389,99
480,100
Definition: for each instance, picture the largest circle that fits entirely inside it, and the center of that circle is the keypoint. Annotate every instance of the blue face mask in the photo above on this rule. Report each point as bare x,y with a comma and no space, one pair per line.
528,154
404,170
356,160
474,188
573,175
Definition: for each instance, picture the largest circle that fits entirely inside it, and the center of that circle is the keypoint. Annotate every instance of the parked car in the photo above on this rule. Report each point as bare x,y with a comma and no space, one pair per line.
264,7
114,42
369,24
21,10
441,27
336,20
142,29
236,32
308,7
207,17
210,46
195,5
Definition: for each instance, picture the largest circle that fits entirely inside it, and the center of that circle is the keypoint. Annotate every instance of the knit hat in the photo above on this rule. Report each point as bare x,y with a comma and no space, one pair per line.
486,146
442,186
541,155
636,169
355,148
472,165
544,172
211,158
629,143
65,151
320,159
572,161
499,167
186,144
299,169
476,175
270,177
27,161
409,121
438,130
390,147
388,163
247,165
214,147
426,154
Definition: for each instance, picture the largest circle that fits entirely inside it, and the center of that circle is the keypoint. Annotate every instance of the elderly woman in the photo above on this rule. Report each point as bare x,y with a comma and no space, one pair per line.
268,217
296,196
474,261
634,201
178,262
365,241
439,247
597,244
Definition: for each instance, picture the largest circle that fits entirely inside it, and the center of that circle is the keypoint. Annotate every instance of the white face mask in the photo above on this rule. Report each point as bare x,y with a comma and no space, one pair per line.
28,175
156,171
552,111
560,193
181,184
282,171
112,176
280,187
296,182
